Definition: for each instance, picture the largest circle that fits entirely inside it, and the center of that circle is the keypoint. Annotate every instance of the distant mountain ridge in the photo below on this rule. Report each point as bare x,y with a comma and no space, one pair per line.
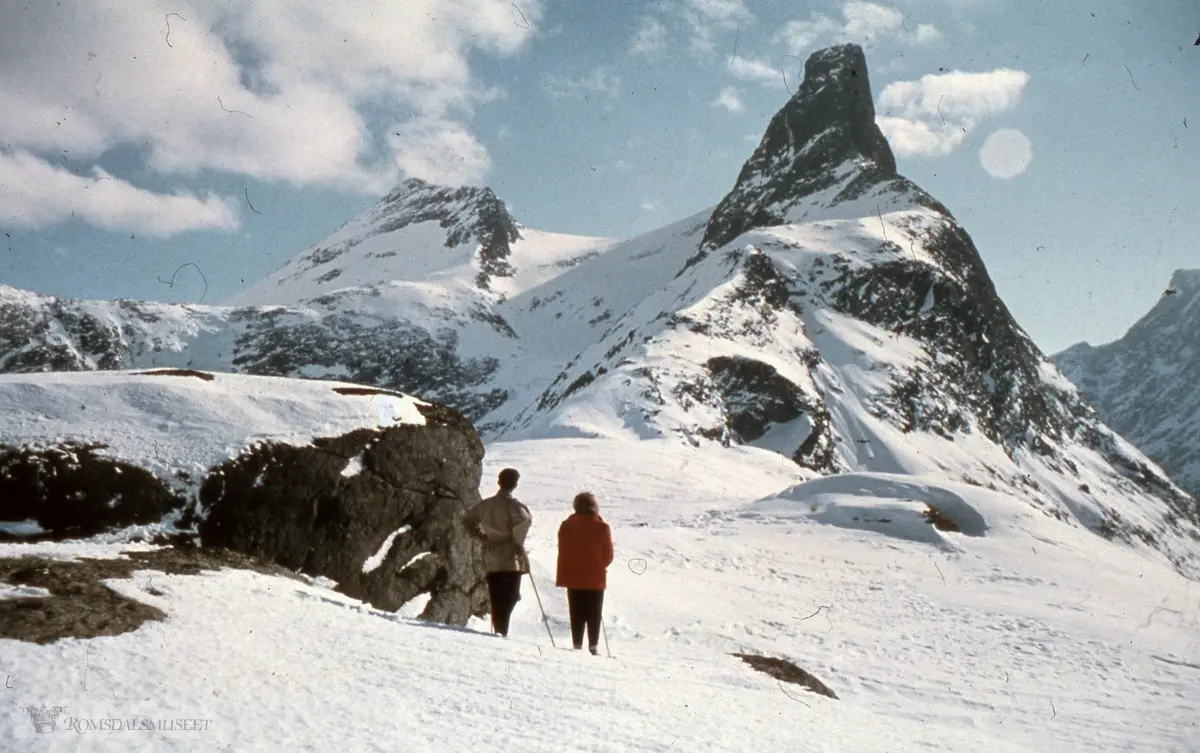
826,309
1146,384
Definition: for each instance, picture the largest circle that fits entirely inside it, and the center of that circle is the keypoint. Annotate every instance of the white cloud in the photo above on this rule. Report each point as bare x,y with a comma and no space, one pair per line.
599,81
729,99
439,151
861,22
649,206
1006,154
955,95
35,194
753,70
920,138
931,116
650,40
868,20
299,75
705,19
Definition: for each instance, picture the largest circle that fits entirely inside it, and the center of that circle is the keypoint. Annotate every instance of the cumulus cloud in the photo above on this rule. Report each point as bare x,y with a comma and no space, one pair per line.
293,79
753,70
919,137
35,194
729,99
860,22
956,94
442,148
933,115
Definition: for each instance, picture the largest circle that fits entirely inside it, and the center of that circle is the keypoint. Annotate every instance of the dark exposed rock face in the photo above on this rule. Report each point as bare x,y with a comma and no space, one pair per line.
322,509
985,365
829,122
293,506
755,396
45,333
389,353
71,491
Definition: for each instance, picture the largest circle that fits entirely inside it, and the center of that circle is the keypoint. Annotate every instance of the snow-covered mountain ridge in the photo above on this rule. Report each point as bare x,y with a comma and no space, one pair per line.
1146,385
827,309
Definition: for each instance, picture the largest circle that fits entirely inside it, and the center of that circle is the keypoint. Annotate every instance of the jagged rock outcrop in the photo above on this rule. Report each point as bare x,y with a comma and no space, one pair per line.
824,139
848,305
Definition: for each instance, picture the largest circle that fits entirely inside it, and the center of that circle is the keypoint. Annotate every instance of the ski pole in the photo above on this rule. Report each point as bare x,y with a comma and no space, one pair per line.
604,630
545,619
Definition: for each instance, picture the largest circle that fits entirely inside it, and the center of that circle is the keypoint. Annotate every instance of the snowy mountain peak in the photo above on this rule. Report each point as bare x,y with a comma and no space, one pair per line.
823,139
466,212
417,230
1185,282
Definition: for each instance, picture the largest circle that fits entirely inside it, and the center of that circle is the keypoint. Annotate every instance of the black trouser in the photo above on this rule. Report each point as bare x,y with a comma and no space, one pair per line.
504,591
586,608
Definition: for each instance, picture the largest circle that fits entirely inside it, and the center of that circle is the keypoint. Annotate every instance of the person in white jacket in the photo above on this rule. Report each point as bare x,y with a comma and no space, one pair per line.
501,523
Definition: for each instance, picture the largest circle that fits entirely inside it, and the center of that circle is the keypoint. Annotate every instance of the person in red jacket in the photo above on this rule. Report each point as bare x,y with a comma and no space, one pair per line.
585,551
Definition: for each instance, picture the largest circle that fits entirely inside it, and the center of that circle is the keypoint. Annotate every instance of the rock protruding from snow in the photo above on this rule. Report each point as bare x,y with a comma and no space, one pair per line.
73,490
828,123
292,506
255,465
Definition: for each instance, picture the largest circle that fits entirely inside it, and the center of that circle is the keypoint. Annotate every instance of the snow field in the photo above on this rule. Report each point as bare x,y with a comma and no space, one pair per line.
1032,636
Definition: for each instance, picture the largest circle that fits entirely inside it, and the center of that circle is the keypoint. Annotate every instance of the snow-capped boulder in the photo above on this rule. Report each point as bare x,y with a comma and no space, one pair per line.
362,486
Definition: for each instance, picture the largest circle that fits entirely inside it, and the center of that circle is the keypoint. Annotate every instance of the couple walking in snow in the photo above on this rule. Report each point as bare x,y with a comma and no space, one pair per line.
585,551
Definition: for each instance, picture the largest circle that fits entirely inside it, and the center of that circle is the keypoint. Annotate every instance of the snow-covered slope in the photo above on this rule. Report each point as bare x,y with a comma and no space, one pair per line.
1031,637
826,309
1146,385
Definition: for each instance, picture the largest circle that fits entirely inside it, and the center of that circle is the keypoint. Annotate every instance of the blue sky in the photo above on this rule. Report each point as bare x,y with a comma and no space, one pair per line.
232,135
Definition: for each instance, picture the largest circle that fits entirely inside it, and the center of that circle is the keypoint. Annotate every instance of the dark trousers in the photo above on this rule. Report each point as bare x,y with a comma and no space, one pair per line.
504,590
586,608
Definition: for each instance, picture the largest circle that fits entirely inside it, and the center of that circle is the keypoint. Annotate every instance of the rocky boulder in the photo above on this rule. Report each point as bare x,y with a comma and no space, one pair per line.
376,511
373,505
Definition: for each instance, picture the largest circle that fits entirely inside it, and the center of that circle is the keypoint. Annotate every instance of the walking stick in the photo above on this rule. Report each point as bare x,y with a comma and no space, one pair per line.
532,582
545,619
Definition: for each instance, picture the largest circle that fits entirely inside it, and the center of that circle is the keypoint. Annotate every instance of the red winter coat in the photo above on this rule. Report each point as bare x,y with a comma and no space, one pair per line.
585,551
